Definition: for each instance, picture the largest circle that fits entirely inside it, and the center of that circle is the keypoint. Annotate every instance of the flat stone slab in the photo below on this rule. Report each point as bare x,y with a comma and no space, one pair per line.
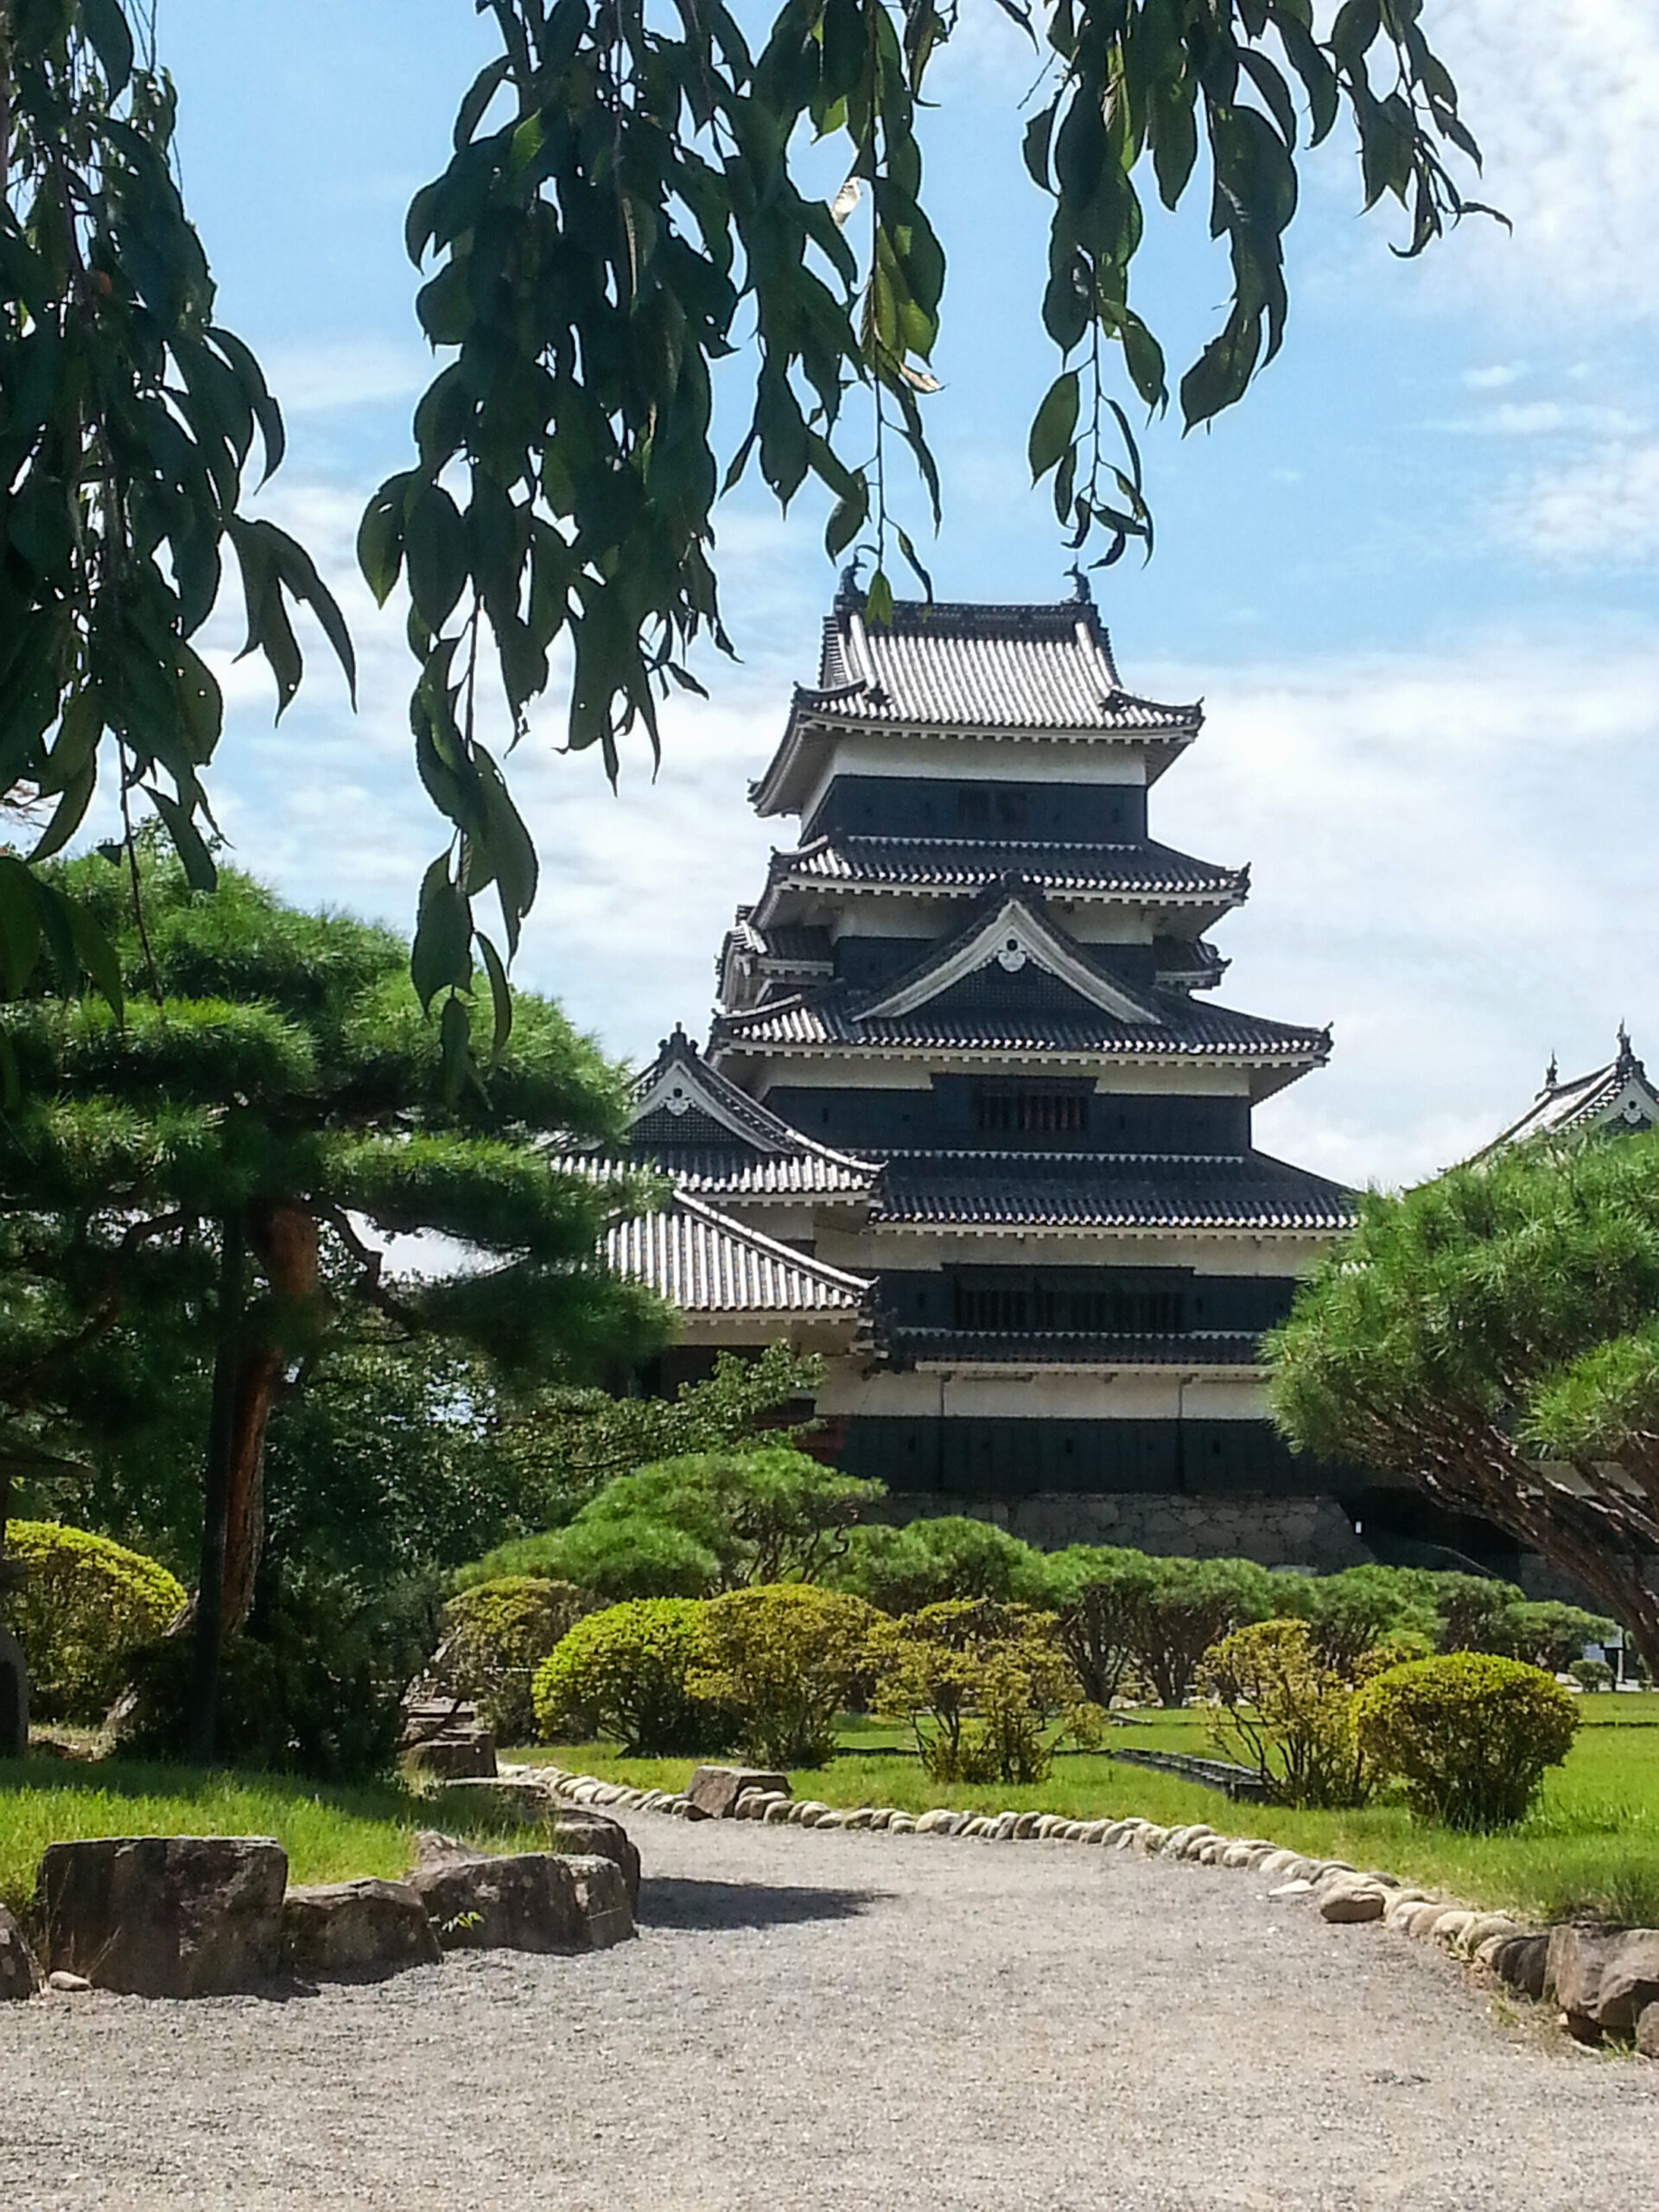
176,1916
356,1931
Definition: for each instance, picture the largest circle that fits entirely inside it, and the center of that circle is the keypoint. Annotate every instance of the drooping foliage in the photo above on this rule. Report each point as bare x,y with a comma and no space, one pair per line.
189,1199
131,421
1490,1336
1282,1709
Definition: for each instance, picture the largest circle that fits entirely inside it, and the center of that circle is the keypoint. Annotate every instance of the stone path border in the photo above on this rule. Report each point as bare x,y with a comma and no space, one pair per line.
1515,1954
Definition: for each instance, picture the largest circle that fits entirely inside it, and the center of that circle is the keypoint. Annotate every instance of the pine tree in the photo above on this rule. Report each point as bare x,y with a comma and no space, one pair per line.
197,1189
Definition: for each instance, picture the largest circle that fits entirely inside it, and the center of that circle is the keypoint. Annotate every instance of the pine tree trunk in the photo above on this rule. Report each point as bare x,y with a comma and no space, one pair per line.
253,1352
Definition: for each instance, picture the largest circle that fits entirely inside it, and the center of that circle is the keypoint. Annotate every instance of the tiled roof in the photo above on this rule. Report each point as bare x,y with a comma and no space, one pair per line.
829,1018
706,1263
760,1153
977,667
1056,1347
715,1171
1129,1190
969,865
1617,1096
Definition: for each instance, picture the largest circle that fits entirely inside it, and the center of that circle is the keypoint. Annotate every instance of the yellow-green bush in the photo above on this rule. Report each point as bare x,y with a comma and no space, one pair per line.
1468,1733
495,1635
627,1673
986,1688
86,1603
1284,1709
786,1657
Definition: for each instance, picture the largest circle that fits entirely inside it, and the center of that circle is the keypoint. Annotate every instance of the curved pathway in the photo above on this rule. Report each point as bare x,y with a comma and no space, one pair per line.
813,2021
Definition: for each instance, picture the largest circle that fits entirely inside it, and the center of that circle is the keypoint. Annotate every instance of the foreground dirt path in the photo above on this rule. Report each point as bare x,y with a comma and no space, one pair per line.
814,2021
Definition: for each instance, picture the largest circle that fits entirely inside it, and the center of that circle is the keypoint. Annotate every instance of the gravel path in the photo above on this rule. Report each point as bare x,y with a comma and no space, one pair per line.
849,2019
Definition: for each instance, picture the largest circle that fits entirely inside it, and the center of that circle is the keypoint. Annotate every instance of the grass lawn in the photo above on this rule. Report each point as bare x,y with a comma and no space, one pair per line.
1591,1846
330,1835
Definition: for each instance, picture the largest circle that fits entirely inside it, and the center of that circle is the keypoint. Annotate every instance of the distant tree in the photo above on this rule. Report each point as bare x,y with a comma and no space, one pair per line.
1492,1337
565,1444
1193,1603
712,1521
208,1178
1101,1595
930,1563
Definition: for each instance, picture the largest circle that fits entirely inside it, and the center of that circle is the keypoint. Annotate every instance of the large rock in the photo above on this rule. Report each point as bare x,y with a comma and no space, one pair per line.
19,1975
1522,1961
356,1931
529,1901
1647,2031
715,1790
172,1916
1603,1979
567,1826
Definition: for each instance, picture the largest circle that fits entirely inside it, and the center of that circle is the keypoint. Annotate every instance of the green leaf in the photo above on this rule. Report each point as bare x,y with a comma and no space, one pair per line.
69,814
500,997
380,538
187,841
1054,424
106,27
456,1046
20,926
435,549
878,600
441,957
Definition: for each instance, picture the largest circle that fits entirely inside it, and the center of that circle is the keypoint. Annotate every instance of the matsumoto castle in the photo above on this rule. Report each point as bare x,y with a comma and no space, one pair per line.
970,1123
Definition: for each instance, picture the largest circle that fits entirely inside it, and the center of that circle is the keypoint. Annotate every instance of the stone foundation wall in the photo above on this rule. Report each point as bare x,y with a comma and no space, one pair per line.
1307,1532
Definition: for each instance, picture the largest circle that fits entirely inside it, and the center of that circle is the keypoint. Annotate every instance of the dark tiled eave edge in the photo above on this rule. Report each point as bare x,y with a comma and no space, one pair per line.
1053,1348
966,867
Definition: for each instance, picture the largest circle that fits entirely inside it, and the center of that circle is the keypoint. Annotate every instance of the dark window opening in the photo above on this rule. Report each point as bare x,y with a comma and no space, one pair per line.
1030,1113
1018,1308
973,808
1011,808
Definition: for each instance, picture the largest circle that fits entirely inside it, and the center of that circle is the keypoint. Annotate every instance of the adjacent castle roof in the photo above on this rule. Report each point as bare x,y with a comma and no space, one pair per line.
965,867
1619,1096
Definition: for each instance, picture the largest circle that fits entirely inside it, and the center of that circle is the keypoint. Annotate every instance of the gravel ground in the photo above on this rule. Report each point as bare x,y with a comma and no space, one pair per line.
842,2020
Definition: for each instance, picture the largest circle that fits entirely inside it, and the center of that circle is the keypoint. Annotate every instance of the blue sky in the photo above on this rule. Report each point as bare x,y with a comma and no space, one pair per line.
1412,575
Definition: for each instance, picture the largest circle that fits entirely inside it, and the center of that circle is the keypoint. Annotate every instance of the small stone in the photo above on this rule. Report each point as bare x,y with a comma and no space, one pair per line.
1647,2031
940,1822
777,1814
1419,1920
1048,1824
1238,1855
1296,1887
881,1817
902,1824
1003,1827
1449,1926
1359,1902
809,1813
1521,1960
1485,1928
1209,1852
832,1819
1147,1839
1276,1863
1025,1826
1092,1831
976,1826
68,1985
859,1817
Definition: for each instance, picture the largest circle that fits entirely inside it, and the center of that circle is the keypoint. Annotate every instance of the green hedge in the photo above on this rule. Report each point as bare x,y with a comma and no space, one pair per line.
1470,1734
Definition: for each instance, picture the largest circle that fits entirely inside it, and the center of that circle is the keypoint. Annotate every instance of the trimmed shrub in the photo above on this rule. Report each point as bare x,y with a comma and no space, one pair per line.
86,1606
1285,1710
495,1635
1192,1604
1101,1593
627,1672
986,1688
932,1562
786,1658
1591,1674
1470,1734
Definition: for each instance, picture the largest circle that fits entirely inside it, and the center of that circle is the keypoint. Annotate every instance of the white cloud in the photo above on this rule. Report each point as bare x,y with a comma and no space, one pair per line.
1598,509
1563,96
1494,378
1450,862
325,377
